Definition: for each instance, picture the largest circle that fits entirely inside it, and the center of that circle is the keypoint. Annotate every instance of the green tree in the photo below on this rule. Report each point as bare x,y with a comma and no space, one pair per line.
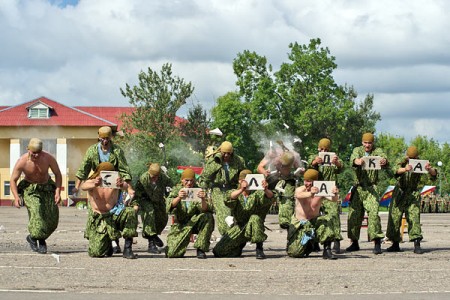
153,123
195,130
302,99
232,116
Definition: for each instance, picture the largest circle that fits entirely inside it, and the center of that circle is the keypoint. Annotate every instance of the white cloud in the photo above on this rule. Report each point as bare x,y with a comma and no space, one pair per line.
84,53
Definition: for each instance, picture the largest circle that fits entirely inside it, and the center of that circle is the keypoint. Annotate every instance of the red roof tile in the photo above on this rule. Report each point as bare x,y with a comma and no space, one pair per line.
61,115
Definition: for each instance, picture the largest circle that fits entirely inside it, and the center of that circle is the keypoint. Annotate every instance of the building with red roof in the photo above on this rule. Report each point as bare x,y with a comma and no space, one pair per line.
66,133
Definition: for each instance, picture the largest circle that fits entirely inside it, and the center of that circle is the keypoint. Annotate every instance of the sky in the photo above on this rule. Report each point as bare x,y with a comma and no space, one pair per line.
81,52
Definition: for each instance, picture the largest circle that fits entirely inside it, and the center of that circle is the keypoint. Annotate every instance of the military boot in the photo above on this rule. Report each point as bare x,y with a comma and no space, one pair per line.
337,246
316,247
353,247
33,243
394,248
260,251
42,247
127,249
201,254
377,247
327,254
116,246
417,248
158,241
152,247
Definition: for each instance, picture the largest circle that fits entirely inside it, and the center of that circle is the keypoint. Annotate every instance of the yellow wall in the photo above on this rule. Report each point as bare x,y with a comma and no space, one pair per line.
4,150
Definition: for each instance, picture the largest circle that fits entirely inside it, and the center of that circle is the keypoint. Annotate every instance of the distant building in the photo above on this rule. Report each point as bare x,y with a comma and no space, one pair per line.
66,133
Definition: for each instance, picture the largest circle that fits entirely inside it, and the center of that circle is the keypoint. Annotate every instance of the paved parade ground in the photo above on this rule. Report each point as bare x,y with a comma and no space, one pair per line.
67,272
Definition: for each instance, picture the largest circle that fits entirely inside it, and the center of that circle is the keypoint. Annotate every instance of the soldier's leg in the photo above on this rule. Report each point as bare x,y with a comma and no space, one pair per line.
254,229
371,205
99,239
300,239
231,243
412,215
204,227
221,210
285,212
178,240
355,216
127,222
325,234
394,221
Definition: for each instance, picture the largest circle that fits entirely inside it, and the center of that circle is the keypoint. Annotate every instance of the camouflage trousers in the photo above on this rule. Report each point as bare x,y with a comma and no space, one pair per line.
154,218
364,199
234,240
179,235
43,213
221,210
331,209
103,228
285,211
409,204
303,234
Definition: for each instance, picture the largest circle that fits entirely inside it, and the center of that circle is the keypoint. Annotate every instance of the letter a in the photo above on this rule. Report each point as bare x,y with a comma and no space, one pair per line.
418,166
323,187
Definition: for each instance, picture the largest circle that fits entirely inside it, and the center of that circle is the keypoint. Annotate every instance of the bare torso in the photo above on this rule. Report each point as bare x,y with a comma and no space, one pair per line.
102,200
35,169
306,206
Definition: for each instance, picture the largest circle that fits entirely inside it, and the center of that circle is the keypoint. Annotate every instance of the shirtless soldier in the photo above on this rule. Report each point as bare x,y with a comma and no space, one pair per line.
103,226
39,192
307,225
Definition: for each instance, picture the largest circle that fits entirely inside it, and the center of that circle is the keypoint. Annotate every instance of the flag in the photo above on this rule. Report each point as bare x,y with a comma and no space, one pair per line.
347,198
387,196
428,189
197,170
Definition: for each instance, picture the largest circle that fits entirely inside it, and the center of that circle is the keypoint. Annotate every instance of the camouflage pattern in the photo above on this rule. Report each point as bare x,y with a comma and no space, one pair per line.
405,199
303,234
331,208
365,197
102,229
249,216
43,213
91,159
188,219
283,188
151,201
213,177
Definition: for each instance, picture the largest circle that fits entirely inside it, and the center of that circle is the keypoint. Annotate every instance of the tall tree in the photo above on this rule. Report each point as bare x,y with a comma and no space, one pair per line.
153,123
232,117
302,98
195,130
157,98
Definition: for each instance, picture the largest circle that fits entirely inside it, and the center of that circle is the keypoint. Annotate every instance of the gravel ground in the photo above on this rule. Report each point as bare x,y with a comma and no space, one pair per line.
67,268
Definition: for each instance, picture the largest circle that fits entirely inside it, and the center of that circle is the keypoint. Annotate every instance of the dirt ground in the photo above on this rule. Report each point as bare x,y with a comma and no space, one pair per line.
67,268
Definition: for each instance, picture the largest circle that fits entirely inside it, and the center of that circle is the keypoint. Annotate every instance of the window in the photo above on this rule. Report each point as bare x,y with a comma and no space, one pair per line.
70,187
7,188
38,113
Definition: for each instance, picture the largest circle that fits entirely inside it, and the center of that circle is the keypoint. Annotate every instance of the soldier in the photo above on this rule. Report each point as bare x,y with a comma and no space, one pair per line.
406,199
189,218
104,151
105,225
365,195
151,189
282,182
246,222
329,172
307,225
221,174
41,195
